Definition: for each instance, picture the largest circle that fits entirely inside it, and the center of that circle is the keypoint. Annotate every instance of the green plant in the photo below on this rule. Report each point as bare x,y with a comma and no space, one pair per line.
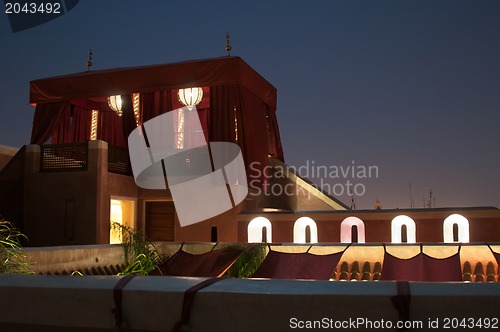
12,257
141,255
249,261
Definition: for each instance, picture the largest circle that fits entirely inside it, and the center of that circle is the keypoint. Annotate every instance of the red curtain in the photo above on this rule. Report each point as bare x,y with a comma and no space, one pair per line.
155,103
210,264
274,142
74,126
237,115
421,268
204,115
63,131
110,128
283,265
82,119
47,118
128,119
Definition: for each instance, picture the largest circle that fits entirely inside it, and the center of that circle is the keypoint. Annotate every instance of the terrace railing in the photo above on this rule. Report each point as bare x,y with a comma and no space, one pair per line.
119,160
75,157
64,157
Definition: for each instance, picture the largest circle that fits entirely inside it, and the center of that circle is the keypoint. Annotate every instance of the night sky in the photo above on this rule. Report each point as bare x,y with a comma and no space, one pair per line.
411,87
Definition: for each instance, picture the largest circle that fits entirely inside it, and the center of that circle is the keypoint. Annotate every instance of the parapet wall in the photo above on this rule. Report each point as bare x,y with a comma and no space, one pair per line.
72,303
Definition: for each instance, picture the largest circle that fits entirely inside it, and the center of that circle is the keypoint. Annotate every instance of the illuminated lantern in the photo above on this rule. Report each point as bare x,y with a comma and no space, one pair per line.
115,103
190,96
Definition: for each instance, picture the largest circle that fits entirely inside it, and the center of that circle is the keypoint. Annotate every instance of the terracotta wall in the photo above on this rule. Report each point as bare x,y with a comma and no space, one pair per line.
6,153
484,223
49,195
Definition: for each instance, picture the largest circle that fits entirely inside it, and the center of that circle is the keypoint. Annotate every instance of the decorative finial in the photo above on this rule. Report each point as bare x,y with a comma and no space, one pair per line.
228,45
89,60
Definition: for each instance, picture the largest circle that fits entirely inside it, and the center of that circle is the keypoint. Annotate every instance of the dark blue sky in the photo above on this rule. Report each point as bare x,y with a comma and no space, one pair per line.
412,87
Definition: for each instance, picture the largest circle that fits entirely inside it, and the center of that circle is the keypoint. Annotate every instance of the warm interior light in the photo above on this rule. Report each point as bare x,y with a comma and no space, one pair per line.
93,125
116,215
122,212
299,230
463,228
396,226
255,230
136,102
346,230
190,96
115,102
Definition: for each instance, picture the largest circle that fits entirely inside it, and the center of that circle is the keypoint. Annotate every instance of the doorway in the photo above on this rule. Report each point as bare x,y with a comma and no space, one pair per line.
159,221
121,214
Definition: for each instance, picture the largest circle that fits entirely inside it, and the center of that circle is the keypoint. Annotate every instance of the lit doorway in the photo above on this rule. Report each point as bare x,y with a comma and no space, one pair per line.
122,213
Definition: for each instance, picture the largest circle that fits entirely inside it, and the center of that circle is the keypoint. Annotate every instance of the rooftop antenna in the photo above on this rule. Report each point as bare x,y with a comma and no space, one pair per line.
411,199
89,61
353,204
228,44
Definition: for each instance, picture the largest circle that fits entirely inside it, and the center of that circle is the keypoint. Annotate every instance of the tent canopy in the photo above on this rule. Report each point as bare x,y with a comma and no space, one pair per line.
239,104
99,83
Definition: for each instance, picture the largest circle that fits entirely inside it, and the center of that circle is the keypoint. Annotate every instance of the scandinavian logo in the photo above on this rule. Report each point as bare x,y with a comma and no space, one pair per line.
205,180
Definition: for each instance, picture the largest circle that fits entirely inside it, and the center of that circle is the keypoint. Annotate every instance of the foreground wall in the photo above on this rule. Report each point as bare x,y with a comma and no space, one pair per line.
63,303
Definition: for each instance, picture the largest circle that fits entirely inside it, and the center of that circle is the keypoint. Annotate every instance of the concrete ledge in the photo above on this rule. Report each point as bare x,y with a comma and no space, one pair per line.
62,303
68,259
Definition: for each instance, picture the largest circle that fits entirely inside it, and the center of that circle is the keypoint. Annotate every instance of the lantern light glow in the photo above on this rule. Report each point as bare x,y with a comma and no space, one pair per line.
190,96
115,103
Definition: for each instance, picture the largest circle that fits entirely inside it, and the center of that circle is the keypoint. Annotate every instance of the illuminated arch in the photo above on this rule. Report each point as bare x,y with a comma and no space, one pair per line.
396,226
463,228
255,228
299,230
346,229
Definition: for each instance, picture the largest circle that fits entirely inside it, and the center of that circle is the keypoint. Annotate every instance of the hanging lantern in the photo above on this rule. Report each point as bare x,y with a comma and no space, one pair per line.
190,96
115,103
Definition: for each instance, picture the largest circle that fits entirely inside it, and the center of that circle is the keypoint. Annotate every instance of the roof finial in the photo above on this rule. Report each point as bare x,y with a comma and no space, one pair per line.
228,45
89,60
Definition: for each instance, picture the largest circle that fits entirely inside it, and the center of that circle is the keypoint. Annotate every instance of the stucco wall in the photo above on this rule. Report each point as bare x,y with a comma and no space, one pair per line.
63,303
484,223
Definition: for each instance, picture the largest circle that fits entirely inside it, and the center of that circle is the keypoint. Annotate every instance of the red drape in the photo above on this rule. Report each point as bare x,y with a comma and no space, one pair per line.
210,264
47,118
128,119
274,142
281,265
210,72
110,128
232,102
204,115
421,268
74,127
63,131
155,103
